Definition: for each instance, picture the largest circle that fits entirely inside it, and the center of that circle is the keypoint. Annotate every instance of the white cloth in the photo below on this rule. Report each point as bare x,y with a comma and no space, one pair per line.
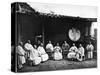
57,53
72,52
28,46
49,47
71,55
90,54
42,53
34,56
41,50
33,53
21,53
44,57
81,51
57,49
90,49
73,48
36,60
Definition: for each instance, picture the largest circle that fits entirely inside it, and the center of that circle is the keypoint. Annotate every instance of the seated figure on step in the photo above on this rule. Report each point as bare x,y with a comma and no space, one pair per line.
57,55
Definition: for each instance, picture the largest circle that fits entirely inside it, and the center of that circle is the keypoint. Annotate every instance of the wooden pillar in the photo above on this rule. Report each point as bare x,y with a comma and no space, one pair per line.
43,31
88,29
86,33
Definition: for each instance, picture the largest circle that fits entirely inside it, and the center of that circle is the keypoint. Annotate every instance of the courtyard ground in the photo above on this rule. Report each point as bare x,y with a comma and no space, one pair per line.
52,65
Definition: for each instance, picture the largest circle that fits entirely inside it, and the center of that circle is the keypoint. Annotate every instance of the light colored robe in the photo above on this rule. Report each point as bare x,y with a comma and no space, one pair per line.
72,52
21,53
81,51
34,56
57,53
90,49
28,47
42,53
80,54
74,49
49,47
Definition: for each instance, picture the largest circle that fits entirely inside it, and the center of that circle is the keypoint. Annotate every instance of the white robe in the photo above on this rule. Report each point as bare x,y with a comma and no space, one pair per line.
43,54
57,53
71,55
28,47
34,56
80,55
81,51
73,48
21,53
90,50
72,52
49,47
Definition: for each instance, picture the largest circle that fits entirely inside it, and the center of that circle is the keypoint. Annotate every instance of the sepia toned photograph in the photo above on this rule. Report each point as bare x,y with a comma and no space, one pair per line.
49,37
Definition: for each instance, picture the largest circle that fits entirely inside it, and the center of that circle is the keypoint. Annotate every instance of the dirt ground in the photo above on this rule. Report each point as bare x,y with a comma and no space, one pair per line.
52,65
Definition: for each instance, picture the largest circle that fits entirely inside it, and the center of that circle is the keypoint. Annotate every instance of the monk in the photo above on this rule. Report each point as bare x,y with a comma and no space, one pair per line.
57,52
73,52
90,49
34,56
49,47
65,48
81,52
28,46
21,55
33,53
44,56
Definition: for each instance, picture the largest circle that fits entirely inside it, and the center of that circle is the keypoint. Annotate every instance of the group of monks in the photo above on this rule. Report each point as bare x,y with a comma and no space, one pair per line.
40,54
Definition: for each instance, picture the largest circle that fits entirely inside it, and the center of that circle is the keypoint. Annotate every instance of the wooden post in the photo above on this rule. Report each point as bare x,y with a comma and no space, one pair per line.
43,35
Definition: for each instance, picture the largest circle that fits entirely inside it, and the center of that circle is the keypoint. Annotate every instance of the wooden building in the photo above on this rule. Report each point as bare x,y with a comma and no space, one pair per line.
36,26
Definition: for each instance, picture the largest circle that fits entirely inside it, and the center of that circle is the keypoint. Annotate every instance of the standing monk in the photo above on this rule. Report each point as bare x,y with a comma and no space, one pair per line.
90,49
21,55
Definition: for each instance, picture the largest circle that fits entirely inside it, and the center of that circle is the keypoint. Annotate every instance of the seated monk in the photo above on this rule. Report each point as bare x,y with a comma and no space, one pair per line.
28,46
65,48
49,49
81,52
34,56
57,52
33,53
21,55
73,52
42,53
